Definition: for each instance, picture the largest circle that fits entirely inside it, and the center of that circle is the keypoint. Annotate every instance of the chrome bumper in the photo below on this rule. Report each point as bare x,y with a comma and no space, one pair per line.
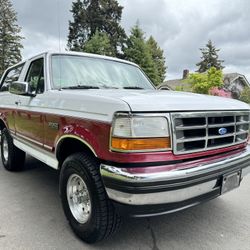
175,186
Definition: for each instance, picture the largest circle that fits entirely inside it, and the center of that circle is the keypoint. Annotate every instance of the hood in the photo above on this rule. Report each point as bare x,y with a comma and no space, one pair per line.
164,100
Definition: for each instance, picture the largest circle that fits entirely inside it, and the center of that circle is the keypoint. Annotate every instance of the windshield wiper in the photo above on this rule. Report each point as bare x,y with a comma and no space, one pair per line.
133,87
81,87
105,86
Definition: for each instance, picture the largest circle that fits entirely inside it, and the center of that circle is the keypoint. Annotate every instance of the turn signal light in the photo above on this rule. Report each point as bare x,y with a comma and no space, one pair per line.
124,144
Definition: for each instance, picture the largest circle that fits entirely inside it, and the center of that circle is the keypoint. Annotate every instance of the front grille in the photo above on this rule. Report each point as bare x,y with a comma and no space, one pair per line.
196,131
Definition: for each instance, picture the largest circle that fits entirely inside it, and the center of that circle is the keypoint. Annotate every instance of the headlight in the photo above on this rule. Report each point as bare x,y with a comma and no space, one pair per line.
140,133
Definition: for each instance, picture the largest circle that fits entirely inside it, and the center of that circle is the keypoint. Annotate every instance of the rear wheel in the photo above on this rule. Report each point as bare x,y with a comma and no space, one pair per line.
12,157
86,205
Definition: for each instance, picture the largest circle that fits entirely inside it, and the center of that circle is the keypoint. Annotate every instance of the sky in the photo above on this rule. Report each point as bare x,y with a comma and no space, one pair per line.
180,27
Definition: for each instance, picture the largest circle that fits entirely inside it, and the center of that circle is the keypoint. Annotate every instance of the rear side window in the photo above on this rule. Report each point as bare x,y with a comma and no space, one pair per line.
35,76
12,76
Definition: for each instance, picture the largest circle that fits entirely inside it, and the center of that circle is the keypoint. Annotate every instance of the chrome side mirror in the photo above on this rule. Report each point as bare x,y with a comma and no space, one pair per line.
20,88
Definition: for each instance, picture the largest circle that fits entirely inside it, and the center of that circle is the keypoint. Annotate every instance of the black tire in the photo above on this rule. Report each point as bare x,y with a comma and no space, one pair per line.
16,157
103,220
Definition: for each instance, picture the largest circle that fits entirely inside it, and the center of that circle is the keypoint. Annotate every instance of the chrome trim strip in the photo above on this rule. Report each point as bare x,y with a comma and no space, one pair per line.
243,123
29,139
36,152
217,113
77,138
190,127
48,147
219,125
210,137
162,197
241,132
208,148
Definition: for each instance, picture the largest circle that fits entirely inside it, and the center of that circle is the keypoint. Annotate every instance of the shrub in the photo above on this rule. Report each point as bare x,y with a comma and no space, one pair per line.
245,95
220,92
203,82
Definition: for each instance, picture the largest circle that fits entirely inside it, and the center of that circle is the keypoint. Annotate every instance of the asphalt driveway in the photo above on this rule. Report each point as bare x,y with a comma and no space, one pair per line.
31,217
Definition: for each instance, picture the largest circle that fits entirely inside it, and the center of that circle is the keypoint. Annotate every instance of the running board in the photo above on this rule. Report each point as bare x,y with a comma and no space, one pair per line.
38,153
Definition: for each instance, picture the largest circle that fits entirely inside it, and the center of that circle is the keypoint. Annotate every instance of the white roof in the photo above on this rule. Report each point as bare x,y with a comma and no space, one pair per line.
74,53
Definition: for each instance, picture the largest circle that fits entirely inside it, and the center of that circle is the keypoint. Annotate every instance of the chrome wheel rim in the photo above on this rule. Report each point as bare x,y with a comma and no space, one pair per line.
5,149
78,198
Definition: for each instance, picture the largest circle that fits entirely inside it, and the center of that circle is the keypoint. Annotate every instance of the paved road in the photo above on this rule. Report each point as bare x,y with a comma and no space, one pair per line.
31,218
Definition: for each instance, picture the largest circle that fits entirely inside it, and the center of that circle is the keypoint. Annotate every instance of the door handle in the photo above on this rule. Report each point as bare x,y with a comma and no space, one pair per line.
17,102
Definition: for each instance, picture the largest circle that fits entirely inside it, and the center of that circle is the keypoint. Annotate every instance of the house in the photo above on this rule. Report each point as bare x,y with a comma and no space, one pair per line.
233,82
177,84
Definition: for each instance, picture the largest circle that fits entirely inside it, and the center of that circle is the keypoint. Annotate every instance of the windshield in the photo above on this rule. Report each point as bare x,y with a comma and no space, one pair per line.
85,72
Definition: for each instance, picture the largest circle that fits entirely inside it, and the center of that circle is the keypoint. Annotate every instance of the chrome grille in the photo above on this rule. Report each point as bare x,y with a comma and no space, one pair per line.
196,131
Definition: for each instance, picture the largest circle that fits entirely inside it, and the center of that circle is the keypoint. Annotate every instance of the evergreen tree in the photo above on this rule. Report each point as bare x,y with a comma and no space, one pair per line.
10,40
209,58
90,16
138,52
158,58
99,44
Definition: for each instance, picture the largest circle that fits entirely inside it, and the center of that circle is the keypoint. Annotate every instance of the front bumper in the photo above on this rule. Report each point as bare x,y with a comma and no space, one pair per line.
158,190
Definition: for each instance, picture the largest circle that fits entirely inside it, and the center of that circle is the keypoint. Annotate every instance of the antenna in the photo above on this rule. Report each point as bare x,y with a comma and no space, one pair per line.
59,25
59,43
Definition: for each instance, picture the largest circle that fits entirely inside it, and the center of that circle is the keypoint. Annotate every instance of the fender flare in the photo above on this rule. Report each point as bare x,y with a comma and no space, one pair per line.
63,137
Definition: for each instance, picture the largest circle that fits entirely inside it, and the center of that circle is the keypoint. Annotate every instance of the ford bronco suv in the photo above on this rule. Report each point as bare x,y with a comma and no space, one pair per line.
121,146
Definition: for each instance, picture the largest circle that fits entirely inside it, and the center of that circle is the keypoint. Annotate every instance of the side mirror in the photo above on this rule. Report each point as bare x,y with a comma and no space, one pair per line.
20,88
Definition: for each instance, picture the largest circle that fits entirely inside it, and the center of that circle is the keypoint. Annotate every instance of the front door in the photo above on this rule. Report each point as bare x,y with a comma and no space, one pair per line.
7,104
29,121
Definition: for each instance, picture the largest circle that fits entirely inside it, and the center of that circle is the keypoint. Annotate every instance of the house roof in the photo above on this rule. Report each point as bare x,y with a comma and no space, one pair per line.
230,77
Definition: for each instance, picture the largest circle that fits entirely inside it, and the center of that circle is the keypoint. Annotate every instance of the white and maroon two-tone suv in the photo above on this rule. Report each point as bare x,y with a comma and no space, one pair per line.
121,146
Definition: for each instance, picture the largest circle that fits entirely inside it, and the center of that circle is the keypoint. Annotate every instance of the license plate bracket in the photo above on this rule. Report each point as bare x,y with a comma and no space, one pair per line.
230,181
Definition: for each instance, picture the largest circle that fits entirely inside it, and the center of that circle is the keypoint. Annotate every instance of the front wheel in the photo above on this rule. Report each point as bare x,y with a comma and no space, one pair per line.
86,205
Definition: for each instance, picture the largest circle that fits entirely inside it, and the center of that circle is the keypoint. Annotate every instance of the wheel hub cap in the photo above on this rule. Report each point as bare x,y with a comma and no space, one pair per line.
5,149
78,198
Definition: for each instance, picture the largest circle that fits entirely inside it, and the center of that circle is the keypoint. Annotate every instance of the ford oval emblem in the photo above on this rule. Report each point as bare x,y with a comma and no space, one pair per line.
222,131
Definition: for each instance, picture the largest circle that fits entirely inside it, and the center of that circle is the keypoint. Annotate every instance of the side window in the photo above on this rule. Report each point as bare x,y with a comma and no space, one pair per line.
35,76
12,76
